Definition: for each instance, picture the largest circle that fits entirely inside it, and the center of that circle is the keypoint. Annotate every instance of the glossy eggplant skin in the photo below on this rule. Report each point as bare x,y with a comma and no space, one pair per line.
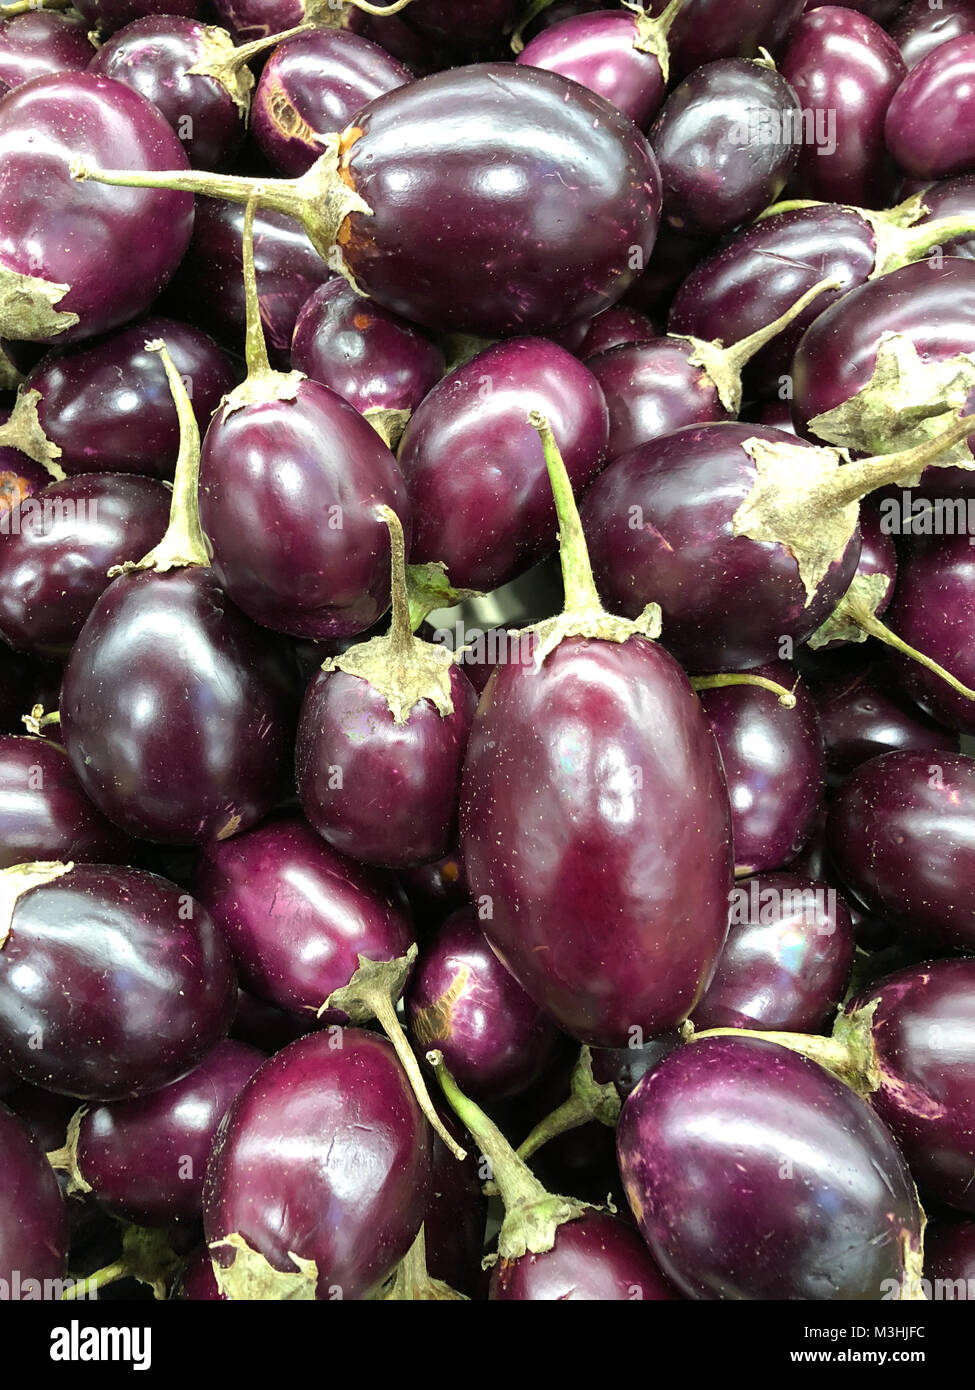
461,1000
659,524
474,467
54,567
595,831
289,496
598,1258
82,115
864,713
920,28
36,45
598,50
298,915
923,1030
456,1214
112,984
706,30
108,407
775,766
109,15
465,200
400,783
44,814
929,120
145,1158
901,835
787,959
717,170
325,1153
757,273
754,1174
163,697
932,610
843,63
315,84
372,358
33,1219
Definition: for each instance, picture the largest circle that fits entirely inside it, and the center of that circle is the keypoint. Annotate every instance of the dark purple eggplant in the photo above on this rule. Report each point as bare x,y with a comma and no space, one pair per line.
614,326
929,120
864,713
57,285
144,1159
591,787
455,1218
197,1283
106,407
54,564
176,712
844,70
112,981
475,468
430,200
706,30
902,837
33,1220
933,608
109,15
320,1173
462,1001
374,359
41,43
949,1259
315,83
921,27
754,1174
435,890
724,142
44,814
624,1067
381,741
787,959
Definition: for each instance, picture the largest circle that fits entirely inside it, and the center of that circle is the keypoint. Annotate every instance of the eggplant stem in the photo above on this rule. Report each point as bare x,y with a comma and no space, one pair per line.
84,1285
255,344
244,52
741,353
862,476
581,595
588,1101
859,613
786,697
384,1011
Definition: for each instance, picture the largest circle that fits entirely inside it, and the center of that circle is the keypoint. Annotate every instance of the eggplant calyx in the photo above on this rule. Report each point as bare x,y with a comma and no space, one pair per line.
588,1100
24,431
912,1256
249,1277
65,1159
38,720
146,1256
184,544
584,615
23,878
403,668
28,307
226,62
412,1282
428,588
372,993
533,1215
652,34
903,404
388,423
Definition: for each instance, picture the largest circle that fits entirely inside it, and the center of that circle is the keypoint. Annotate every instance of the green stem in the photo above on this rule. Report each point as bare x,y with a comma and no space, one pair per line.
577,577
277,195
413,1282
857,479
84,1284
536,8
400,627
255,344
788,205
856,610
787,698
913,243
739,354
38,720
244,52
589,1101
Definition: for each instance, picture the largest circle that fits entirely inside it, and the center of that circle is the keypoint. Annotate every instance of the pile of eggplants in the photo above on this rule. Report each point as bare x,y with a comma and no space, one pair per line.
487,650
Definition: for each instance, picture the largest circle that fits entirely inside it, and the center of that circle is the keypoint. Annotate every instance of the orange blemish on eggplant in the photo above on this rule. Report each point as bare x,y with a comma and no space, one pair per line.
432,1024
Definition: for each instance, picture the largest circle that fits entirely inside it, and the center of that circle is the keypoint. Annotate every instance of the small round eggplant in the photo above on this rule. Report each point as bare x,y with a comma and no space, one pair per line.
41,43
929,120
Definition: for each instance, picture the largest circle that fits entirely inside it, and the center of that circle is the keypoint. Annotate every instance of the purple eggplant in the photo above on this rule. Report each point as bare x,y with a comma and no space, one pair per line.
475,468
625,1067
921,27
462,1001
41,43
455,1218
949,1257
706,30
902,837
774,764
591,786
411,198
106,407
320,1173
57,288
144,1159
54,564
315,83
724,144
292,485
614,326
112,981
374,359
109,15
929,120
864,713
754,1174
381,741
34,1220
44,814
177,713
483,19
787,959
621,54
844,70
209,286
